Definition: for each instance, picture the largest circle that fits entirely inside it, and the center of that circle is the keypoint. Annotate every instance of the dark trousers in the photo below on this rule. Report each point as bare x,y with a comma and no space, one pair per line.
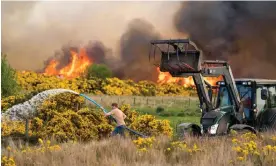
119,130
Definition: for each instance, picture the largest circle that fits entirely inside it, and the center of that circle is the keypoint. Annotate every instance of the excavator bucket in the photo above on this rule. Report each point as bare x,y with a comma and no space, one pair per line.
177,56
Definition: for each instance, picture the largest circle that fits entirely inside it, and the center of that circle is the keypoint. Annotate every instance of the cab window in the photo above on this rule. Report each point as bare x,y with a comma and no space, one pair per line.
260,103
223,97
272,95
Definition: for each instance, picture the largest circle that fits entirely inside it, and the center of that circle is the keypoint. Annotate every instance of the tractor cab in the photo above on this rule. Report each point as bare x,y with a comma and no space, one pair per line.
256,95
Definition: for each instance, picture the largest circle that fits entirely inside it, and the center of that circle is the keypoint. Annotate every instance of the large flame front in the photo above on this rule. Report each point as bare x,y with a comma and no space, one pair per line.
78,63
165,77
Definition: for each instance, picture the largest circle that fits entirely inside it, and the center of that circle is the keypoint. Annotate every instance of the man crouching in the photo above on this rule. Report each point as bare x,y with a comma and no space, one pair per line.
119,117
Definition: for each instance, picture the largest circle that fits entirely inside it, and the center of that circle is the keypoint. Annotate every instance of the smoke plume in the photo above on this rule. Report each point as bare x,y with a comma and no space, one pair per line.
242,32
134,45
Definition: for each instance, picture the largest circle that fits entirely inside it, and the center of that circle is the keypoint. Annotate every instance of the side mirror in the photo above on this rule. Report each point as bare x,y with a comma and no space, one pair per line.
264,94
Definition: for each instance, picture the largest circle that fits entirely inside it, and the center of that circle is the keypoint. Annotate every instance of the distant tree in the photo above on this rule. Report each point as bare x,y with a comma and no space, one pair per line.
99,71
9,85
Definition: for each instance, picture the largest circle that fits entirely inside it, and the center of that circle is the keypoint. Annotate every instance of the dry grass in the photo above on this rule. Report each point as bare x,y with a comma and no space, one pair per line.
215,151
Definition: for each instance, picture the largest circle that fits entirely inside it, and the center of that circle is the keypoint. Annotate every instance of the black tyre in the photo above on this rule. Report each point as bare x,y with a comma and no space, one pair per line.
268,120
191,132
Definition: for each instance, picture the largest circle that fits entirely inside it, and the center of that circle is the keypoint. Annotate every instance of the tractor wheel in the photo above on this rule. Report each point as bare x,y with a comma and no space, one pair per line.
190,132
242,129
273,125
269,120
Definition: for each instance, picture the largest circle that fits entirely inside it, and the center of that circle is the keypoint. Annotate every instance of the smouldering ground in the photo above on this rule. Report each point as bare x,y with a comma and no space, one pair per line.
247,149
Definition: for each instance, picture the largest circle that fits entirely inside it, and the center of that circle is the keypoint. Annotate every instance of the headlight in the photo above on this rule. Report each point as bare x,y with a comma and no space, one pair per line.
213,129
201,129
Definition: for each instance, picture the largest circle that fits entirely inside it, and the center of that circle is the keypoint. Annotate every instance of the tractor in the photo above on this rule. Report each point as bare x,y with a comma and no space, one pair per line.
243,105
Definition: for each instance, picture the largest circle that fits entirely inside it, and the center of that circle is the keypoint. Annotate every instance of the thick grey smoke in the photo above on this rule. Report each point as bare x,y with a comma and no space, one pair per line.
242,32
135,47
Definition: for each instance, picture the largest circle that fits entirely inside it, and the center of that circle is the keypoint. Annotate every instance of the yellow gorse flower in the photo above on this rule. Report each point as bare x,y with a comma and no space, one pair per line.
273,138
240,158
40,141
7,161
235,140
249,147
143,143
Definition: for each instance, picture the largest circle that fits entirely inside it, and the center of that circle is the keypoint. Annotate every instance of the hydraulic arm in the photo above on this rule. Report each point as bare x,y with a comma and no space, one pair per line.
217,68
182,61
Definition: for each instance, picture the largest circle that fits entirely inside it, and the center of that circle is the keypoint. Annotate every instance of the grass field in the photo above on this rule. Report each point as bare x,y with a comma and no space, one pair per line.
174,115
177,109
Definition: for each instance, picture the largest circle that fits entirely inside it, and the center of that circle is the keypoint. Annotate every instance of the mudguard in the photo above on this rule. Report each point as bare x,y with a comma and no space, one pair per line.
243,127
185,126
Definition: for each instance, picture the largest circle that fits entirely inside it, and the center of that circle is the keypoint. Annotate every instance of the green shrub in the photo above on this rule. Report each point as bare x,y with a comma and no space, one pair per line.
159,110
9,85
98,71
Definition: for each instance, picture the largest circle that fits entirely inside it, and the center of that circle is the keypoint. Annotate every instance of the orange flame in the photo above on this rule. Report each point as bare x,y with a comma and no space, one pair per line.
165,77
79,62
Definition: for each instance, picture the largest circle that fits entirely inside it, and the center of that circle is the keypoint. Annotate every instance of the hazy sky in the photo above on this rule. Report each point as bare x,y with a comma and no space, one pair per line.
35,30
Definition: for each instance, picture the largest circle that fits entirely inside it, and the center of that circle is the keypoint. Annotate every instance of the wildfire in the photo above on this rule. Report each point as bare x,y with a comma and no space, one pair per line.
165,77
78,63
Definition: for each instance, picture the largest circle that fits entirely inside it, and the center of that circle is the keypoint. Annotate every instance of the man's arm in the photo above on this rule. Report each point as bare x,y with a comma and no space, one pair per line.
109,113
124,116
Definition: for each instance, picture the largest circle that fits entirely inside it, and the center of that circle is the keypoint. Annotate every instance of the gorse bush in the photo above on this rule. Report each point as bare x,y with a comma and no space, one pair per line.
9,101
34,82
149,125
65,117
12,128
